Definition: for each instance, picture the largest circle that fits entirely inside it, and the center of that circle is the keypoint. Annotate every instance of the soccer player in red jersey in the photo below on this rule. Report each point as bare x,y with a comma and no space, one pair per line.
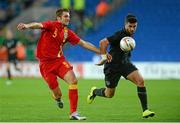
52,61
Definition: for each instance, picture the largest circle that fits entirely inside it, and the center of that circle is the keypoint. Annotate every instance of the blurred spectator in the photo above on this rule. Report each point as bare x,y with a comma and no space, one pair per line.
2,15
101,10
3,55
65,4
21,51
88,25
79,8
11,8
31,45
10,43
1,35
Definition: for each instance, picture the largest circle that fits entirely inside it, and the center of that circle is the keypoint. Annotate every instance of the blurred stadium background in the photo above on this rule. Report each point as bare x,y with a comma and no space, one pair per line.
157,37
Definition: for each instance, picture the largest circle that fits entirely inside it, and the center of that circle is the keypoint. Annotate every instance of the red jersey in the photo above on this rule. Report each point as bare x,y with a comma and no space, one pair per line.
53,37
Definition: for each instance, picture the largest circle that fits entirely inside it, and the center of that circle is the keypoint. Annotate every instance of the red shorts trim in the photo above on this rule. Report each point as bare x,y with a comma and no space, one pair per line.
50,70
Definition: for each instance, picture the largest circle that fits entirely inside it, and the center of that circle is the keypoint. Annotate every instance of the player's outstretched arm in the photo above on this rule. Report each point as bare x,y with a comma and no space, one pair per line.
33,25
89,46
104,55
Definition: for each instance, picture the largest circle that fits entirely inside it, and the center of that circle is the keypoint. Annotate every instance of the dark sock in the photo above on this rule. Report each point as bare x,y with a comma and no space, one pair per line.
143,97
99,92
9,74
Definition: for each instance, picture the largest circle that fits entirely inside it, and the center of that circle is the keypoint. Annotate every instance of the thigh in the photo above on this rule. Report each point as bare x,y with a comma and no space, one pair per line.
112,77
70,77
49,76
63,69
136,78
127,69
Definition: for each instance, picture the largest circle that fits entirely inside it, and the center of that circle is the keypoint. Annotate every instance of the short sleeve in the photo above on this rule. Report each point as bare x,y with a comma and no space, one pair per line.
72,37
47,24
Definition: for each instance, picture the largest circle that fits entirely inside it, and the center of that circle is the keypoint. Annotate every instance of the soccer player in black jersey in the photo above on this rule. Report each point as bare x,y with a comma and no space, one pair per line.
120,65
10,43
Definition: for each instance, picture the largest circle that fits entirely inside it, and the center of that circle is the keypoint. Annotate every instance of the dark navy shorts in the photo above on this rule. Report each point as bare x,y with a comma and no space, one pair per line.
113,73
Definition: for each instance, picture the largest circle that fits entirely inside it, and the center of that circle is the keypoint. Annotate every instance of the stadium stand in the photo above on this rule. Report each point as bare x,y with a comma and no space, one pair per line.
156,36
157,33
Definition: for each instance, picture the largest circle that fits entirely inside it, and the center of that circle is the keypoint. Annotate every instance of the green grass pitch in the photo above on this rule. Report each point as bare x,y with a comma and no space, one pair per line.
29,100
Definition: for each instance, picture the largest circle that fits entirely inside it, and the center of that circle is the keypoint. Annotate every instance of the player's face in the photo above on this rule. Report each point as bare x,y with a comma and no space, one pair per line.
131,27
65,18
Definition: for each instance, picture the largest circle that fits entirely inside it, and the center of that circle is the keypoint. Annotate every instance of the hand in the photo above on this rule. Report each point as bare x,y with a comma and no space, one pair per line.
102,61
109,57
104,57
22,26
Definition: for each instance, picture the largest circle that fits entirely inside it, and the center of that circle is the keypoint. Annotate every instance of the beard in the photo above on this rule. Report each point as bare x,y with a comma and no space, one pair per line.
66,23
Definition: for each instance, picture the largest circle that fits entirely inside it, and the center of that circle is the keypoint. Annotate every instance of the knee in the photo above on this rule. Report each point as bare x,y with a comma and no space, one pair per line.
140,83
74,81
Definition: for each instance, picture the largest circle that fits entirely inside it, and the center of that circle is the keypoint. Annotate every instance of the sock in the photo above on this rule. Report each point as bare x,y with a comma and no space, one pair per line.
9,74
73,98
143,97
99,92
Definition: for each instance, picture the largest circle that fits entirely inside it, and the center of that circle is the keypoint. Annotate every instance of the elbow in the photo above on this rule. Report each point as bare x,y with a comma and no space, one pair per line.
104,43
101,42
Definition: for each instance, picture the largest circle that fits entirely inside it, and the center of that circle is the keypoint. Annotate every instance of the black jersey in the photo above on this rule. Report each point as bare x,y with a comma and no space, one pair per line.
10,44
118,56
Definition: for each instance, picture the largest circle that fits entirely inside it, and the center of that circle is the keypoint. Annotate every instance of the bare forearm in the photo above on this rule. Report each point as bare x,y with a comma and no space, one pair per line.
89,46
34,25
103,46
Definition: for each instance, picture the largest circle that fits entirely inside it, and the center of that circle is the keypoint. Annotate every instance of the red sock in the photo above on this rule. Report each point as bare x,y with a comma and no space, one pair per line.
73,99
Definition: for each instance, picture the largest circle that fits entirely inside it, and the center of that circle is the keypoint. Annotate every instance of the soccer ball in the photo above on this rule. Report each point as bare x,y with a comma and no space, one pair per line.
127,44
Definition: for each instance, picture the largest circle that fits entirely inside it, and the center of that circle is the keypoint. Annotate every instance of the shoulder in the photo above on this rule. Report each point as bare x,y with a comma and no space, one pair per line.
116,33
119,32
51,25
51,22
115,36
56,22
47,21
